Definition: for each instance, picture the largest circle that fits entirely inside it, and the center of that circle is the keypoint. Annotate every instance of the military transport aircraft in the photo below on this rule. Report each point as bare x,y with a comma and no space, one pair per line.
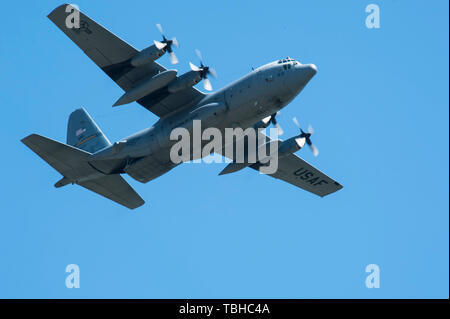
90,160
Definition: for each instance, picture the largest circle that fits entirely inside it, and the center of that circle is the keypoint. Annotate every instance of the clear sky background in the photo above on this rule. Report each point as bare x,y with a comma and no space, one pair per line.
379,104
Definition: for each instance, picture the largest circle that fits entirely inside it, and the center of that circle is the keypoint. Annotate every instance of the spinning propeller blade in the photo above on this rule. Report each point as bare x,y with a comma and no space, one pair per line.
166,44
307,137
204,71
273,120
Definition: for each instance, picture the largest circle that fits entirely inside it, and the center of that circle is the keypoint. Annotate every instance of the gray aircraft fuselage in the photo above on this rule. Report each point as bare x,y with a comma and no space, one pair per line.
258,94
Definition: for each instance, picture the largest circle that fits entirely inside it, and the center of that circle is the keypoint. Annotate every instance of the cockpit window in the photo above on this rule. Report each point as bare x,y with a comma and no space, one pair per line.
288,59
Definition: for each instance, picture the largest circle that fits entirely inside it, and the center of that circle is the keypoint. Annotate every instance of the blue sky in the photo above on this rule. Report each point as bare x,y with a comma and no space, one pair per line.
379,104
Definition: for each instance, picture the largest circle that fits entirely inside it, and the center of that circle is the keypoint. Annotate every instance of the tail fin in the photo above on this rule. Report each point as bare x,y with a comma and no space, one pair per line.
84,133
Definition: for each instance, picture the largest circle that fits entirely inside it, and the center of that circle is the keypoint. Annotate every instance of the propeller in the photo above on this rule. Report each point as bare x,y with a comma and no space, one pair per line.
307,136
167,45
204,71
272,119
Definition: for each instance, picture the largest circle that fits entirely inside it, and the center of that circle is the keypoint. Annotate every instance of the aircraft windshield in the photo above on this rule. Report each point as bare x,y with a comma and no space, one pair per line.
288,59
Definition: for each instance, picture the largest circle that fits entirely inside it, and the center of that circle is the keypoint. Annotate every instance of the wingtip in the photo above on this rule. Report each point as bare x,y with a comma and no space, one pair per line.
54,11
137,205
26,138
120,101
225,171
339,186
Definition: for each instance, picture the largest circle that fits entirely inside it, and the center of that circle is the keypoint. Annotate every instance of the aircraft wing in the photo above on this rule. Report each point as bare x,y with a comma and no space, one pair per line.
113,55
295,171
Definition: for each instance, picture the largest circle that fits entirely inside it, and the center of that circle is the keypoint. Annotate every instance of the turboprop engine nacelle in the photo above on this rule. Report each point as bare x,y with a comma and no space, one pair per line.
146,87
147,55
184,81
291,145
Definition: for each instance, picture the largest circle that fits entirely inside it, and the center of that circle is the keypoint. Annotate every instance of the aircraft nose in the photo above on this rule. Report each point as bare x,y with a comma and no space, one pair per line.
311,68
304,73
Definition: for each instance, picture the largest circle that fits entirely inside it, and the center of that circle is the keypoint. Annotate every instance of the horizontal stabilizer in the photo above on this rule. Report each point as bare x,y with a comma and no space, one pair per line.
116,189
73,164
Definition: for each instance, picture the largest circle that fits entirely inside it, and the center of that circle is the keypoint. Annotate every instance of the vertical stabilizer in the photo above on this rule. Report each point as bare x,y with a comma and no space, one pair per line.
84,133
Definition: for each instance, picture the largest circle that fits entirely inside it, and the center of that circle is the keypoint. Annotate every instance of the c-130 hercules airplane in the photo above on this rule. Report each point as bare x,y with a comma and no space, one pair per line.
90,160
